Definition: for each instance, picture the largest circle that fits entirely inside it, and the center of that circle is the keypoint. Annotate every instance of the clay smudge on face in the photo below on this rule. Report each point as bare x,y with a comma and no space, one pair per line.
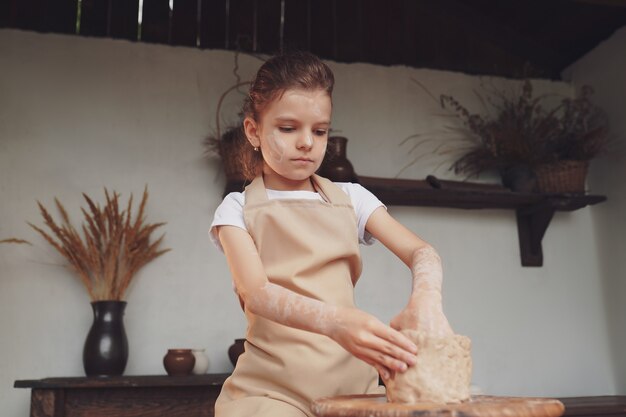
315,108
277,145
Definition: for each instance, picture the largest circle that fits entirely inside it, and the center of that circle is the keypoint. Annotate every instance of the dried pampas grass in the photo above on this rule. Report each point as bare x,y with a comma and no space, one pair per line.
113,248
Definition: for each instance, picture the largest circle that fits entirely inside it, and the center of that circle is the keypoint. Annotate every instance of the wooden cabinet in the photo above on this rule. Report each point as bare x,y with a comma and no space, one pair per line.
145,396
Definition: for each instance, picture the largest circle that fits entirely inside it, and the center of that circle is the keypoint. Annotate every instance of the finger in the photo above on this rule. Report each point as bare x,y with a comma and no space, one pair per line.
386,345
394,344
384,373
398,353
381,359
395,337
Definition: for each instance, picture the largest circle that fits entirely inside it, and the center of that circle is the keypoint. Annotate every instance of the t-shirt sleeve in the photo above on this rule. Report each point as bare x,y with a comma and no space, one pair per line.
364,203
228,213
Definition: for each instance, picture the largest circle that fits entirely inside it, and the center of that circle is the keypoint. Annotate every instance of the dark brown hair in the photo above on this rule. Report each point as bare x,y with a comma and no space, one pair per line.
293,70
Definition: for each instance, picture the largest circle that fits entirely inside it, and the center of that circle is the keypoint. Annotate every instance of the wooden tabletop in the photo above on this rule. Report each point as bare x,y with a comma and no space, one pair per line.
477,406
136,381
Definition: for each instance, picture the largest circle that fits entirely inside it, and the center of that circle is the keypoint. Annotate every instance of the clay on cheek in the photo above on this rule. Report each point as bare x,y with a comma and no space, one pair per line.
317,111
276,146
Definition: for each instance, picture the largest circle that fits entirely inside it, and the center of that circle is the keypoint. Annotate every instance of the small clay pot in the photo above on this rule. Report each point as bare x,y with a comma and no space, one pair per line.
235,350
202,362
179,362
336,166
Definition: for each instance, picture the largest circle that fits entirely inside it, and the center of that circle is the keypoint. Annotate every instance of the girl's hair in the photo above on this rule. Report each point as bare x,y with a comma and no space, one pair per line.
293,70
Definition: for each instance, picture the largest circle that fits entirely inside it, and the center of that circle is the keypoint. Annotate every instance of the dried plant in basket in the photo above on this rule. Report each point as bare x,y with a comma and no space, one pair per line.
584,129
113,246
519,132
231,145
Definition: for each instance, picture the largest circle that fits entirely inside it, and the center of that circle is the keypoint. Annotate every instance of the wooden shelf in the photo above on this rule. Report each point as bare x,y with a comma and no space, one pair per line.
534,211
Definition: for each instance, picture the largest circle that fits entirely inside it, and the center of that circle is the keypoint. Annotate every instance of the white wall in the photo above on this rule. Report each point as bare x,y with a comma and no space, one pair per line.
78,114
604,69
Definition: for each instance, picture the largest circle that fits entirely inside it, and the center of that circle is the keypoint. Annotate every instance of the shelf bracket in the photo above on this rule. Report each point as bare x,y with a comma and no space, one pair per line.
532,223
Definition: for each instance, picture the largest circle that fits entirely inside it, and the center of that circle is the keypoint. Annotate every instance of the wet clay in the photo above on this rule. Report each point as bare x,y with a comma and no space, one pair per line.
442,374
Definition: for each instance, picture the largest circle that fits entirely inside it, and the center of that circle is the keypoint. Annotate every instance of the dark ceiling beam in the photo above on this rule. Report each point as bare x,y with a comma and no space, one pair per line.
541,55
611,3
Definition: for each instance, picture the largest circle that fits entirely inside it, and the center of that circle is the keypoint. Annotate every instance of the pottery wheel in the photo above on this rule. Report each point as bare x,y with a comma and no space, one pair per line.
477,406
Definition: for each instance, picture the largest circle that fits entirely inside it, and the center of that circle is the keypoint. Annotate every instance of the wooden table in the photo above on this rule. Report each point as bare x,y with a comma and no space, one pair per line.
145,396
477,406
376,406
192,396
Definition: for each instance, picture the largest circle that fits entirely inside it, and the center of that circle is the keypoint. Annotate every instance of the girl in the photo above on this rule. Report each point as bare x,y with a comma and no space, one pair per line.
291,242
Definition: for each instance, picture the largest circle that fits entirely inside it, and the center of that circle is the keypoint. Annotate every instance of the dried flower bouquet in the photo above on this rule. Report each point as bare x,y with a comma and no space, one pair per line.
113,248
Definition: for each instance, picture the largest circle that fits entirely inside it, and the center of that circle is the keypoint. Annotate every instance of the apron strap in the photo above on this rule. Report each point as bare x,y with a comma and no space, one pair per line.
256,192
329,191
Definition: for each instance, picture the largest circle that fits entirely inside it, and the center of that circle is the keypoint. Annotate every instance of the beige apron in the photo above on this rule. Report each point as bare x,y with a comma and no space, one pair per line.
310,247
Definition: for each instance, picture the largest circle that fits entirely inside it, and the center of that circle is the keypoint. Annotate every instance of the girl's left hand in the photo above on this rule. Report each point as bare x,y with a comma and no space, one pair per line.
423,314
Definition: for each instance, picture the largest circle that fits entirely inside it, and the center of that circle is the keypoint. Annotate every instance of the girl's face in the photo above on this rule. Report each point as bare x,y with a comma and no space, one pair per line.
292,134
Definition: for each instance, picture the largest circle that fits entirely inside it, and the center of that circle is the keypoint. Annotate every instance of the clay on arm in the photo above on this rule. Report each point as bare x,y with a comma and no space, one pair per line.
424,309
264,298
358,332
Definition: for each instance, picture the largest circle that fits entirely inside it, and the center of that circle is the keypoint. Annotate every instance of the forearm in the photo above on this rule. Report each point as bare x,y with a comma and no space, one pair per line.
269,300
291,309
362,335
425,311
427,275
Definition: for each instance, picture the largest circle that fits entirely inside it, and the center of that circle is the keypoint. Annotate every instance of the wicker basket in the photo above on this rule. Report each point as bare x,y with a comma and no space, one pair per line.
562,177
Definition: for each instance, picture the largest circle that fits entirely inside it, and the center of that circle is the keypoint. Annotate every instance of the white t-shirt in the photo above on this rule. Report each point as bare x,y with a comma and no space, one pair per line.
230,211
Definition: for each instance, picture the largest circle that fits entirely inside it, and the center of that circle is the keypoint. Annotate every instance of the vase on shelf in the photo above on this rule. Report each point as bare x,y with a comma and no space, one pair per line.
519,178
105,352
336,166
202,362
235,350
179,362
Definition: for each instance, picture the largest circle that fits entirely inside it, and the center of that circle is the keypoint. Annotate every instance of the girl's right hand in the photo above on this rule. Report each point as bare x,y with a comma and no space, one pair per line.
368,339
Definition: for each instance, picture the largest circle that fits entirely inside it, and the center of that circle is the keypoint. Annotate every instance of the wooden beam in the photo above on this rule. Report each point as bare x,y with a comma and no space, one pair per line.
185,22
541,54
609,3
155,24
267,38
124,22
213,24
297,30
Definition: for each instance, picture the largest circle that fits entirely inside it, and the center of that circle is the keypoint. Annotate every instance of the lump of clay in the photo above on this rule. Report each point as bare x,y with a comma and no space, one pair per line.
442,374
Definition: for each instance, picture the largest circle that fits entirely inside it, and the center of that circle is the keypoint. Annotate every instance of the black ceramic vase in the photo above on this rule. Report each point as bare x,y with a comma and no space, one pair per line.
336,166
519,178
106,349
235,350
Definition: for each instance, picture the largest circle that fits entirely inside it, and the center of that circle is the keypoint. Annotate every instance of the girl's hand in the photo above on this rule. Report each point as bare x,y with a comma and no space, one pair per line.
425,314
368,339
